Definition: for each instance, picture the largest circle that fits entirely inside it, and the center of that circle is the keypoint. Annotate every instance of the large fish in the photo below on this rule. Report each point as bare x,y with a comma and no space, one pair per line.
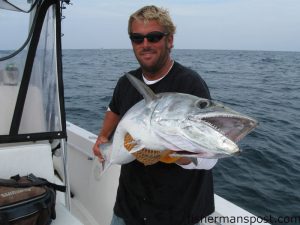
186,124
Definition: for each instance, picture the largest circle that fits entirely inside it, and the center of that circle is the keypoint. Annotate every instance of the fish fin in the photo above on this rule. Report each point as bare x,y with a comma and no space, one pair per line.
142,88
134,142
106,149
103,166
194,161
100,168
137,147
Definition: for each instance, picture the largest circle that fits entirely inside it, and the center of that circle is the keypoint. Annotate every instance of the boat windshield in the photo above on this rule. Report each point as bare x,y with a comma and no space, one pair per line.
31,91
17,5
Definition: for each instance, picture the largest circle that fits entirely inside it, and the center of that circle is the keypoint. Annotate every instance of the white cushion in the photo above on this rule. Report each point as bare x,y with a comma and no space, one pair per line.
26,159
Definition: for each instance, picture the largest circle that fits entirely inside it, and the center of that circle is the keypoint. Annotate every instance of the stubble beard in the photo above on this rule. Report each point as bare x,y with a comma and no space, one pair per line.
156,66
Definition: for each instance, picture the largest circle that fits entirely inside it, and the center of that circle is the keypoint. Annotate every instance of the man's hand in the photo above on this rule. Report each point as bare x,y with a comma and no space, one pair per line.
96,149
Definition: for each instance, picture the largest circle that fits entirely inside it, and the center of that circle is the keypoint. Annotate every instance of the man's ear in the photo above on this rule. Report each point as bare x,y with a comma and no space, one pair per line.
170,39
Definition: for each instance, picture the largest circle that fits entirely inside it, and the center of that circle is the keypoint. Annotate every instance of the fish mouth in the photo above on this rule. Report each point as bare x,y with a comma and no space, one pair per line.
234,127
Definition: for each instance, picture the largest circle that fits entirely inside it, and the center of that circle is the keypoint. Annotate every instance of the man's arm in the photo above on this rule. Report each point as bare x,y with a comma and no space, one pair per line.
110,122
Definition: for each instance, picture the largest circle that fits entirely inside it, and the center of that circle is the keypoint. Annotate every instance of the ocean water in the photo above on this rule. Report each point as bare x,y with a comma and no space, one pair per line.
265,178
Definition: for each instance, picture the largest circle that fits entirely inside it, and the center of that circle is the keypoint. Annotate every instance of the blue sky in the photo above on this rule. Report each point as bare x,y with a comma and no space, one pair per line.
201,24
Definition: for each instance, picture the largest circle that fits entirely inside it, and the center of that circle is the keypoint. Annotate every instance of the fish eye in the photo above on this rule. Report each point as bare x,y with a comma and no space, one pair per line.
202,104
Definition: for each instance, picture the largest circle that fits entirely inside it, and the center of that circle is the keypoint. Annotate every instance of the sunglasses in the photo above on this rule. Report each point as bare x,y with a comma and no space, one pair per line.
152,37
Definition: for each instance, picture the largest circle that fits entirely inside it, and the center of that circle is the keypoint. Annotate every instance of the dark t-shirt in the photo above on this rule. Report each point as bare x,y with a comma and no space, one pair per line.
162,194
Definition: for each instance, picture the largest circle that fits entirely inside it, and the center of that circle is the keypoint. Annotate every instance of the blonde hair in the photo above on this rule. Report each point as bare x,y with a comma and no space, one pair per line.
152,12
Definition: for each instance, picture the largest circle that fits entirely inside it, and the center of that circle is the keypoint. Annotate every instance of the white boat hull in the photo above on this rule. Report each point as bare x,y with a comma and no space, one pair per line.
93,197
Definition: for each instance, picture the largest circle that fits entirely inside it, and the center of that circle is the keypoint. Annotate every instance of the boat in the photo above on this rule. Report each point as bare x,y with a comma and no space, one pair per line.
36,138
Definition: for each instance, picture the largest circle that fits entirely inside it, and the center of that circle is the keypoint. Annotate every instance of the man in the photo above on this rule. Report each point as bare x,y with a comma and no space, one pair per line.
161,194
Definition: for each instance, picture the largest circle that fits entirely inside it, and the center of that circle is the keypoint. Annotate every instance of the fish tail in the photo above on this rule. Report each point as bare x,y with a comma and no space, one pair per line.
100,168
